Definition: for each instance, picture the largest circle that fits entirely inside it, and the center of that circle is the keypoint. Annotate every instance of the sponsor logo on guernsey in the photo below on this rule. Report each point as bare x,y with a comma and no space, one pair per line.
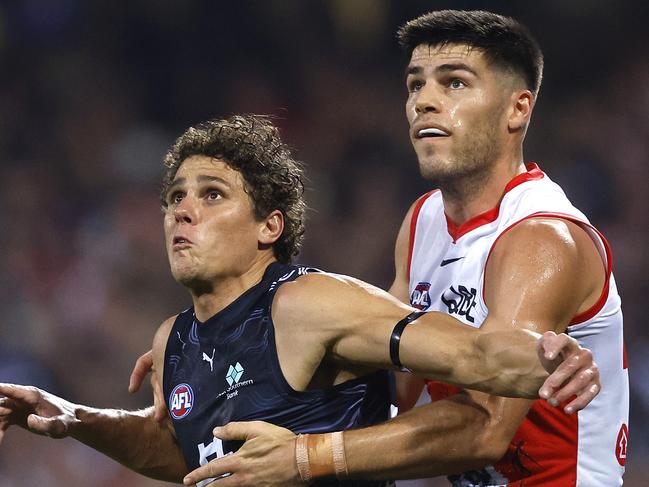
181,401
234,374
233,378
460,301
446,262
207,358
420,298
621,444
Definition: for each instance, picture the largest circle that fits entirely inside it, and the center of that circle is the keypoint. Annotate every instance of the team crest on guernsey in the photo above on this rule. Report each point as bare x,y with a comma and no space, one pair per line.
181,401
420,298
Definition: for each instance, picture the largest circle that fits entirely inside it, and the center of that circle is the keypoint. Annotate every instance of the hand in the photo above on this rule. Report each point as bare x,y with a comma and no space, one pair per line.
573,372
267,458
35,410
142,367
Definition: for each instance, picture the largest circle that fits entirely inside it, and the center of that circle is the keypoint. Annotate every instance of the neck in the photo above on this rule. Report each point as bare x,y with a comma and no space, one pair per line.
214,296
480,192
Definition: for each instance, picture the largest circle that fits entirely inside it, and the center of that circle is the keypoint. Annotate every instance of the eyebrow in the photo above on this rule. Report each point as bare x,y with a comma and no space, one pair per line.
202,178
443,68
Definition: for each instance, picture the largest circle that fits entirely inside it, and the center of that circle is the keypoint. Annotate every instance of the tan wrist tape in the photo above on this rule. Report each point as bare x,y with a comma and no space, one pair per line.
302,458
321,455
338,453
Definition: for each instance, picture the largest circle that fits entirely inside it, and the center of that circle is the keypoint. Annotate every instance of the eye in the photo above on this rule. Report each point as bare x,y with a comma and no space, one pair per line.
213,195
457,84
175,197
415,85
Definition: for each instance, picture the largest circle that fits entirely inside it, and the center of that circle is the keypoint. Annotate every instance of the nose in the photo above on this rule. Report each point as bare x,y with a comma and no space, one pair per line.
427,100
185,211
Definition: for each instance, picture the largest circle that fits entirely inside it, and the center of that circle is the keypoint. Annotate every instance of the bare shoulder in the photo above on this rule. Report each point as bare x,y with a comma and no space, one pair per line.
160,340
403,238
163,331
313,291
399,287
544,264
550,243
322,300
539,233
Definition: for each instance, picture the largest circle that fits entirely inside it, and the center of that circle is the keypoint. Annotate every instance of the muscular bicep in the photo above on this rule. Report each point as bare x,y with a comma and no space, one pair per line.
353,322
540,275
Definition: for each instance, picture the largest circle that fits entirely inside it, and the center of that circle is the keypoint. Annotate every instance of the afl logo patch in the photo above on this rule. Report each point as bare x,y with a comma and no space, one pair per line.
420,298
181,401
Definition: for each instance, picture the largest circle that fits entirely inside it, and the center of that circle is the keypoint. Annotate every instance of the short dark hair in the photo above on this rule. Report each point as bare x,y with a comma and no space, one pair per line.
251,145
505,41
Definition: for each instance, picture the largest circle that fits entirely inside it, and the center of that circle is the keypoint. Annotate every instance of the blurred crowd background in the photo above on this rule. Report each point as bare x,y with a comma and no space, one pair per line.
93,92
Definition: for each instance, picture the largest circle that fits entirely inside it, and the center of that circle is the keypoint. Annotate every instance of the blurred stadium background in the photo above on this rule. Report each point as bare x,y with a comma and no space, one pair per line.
92,93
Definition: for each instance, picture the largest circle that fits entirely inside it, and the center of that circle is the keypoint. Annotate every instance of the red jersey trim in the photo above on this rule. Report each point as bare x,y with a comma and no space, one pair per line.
413,225
601,301
456,231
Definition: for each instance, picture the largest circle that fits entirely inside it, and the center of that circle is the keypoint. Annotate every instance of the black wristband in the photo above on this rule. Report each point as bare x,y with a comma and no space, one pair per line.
395,338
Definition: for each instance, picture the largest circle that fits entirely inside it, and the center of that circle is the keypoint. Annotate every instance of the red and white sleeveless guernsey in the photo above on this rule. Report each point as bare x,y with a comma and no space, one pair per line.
447,271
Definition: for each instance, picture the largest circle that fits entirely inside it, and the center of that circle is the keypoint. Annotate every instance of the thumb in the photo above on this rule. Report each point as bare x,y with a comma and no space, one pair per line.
549,345
247,430
53,427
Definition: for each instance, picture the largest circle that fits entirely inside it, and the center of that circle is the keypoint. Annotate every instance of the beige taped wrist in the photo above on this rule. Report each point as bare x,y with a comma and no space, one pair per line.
321,456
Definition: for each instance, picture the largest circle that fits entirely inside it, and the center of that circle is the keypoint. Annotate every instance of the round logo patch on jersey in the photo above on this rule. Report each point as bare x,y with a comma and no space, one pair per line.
181,401
621,444
419,298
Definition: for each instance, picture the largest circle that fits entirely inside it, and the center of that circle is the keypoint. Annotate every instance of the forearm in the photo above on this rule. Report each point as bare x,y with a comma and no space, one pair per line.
442,438
502,362
510,363
132,438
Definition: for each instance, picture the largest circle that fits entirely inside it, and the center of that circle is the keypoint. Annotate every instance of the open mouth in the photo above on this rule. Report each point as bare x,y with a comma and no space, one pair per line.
431,133
181,242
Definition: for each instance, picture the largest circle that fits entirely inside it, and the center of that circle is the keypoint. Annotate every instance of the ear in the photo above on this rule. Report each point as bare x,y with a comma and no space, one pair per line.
271,228
522,103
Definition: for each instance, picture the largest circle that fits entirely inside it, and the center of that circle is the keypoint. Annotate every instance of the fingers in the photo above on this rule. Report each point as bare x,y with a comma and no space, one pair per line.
582,399
159,405
212,470
7,406
140,370
566,370
247,430
24,393
578,376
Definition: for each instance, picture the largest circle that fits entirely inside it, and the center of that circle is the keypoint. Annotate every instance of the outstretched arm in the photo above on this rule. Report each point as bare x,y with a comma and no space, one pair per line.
354,321
133,438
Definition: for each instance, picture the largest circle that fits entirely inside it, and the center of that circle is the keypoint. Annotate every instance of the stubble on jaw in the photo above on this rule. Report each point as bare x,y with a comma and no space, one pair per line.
465,173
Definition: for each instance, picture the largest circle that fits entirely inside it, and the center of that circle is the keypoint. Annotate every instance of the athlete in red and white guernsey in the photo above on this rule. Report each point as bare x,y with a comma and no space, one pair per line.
449,268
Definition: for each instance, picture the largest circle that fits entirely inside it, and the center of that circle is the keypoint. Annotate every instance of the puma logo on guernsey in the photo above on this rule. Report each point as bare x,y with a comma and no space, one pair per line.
460,302
206,358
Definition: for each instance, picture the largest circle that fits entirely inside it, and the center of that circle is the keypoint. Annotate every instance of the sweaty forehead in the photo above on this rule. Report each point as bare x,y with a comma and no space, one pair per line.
439,54
194,165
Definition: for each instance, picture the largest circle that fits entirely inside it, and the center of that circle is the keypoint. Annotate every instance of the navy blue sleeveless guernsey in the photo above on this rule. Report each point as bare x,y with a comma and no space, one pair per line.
227,369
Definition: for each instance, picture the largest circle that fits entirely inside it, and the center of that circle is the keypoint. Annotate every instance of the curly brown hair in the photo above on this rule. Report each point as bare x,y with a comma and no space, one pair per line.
251,145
